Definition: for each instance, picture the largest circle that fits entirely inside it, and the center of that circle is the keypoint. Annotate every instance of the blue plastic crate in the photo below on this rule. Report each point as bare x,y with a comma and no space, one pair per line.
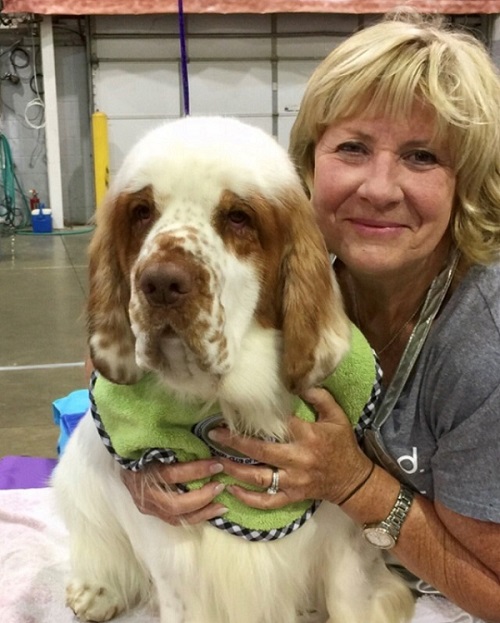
41,221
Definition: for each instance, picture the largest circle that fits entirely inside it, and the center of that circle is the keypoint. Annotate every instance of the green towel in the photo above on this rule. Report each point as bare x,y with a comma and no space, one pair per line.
135,418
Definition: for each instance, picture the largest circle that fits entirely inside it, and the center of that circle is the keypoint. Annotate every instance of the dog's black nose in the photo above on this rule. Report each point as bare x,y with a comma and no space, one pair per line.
165,283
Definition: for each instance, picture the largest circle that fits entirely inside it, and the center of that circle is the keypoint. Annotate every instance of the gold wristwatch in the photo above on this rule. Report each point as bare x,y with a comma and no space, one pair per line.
384,534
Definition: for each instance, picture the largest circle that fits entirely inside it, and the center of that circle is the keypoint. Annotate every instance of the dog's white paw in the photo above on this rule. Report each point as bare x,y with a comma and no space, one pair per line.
91,602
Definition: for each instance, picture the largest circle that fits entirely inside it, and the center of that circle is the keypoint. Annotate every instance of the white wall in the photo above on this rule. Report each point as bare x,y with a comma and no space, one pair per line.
250,66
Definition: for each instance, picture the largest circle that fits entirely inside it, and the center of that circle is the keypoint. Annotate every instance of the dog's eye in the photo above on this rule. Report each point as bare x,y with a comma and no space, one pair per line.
142,213
238,218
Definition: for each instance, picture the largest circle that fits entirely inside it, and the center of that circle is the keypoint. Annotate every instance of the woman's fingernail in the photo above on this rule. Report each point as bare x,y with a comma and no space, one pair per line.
308,394
223,510
214,435
219,488
216,468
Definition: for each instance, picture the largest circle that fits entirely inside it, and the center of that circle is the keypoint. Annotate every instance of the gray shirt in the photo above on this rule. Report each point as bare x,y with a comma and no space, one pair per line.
444,430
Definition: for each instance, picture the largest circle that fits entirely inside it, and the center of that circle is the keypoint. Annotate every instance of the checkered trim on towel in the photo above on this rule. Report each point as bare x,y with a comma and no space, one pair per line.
263,535
371,406
164,455
168,457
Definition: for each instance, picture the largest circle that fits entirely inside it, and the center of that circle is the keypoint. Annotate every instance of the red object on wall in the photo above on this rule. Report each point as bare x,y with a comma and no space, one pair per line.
34,200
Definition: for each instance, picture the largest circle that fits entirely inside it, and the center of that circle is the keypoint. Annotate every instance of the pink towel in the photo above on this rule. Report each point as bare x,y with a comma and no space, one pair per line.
34,561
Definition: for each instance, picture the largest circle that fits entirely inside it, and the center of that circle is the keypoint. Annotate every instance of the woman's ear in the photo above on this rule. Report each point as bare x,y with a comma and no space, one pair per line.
316,330
111,341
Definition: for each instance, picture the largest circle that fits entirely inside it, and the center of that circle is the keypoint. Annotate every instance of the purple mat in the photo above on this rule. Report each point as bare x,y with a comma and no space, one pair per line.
25,472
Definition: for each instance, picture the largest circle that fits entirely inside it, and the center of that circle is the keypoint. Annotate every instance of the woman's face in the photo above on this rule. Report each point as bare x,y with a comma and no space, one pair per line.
384,192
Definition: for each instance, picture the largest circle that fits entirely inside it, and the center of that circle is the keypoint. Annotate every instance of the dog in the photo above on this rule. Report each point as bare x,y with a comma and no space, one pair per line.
208,271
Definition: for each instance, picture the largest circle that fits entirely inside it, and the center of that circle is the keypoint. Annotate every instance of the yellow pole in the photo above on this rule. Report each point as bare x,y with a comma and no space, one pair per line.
101,155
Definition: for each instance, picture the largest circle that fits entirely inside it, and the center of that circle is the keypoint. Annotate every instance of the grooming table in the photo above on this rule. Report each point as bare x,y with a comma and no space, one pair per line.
34,562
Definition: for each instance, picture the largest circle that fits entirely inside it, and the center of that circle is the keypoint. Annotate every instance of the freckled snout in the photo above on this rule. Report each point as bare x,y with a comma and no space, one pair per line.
165,284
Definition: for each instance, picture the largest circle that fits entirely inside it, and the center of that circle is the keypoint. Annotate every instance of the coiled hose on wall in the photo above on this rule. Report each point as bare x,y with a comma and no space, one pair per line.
12,215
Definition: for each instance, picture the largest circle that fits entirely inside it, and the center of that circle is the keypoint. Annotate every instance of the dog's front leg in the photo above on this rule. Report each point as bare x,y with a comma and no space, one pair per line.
91,602
171,606
106,577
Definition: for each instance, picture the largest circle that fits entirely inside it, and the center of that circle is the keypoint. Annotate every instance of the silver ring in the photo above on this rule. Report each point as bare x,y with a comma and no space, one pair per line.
275,482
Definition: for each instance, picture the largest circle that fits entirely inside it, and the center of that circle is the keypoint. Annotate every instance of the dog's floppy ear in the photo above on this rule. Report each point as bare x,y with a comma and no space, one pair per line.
111,341
316,331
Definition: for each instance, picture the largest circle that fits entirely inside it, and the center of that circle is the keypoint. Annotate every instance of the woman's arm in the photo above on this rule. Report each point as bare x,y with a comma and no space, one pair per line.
457,555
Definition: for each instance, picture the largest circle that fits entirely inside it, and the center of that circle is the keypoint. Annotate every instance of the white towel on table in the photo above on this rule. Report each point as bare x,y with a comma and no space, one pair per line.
34,567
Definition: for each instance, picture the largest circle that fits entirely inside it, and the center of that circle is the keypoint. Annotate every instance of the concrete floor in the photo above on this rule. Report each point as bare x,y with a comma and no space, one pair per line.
43,287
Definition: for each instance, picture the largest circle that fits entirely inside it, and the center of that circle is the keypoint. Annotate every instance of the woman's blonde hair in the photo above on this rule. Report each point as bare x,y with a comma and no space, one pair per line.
385,69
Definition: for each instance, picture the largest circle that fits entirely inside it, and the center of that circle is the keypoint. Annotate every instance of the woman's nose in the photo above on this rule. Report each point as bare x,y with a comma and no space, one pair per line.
382,185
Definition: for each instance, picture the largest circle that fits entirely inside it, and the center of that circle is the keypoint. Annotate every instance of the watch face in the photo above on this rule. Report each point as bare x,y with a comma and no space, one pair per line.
379,537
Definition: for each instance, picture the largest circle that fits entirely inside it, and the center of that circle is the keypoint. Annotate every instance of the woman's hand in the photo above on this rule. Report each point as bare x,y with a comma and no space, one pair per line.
322,460
154,491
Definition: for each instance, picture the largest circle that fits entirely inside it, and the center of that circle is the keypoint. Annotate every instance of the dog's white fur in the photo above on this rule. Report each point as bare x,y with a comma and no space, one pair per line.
259,317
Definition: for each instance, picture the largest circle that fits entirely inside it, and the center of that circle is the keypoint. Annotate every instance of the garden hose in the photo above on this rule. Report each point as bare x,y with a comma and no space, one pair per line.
11,216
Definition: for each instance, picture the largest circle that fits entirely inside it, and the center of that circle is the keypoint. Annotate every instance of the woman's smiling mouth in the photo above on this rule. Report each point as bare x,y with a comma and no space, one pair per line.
376,227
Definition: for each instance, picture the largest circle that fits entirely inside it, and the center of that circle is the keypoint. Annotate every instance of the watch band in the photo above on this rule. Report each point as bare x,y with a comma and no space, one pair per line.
385,533
400,509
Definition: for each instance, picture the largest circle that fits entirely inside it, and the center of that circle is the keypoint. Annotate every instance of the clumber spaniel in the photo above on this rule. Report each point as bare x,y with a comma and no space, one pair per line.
207,269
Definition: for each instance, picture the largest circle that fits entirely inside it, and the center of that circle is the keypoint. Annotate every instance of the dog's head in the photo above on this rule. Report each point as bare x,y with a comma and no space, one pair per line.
205,234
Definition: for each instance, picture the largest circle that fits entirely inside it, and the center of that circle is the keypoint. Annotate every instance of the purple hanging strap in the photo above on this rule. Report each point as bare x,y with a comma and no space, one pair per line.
184,60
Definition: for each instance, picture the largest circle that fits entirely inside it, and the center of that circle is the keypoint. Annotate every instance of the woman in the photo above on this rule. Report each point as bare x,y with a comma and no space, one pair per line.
398,143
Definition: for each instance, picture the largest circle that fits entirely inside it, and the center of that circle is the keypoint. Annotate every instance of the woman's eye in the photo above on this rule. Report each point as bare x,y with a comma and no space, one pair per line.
421,157
352,148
